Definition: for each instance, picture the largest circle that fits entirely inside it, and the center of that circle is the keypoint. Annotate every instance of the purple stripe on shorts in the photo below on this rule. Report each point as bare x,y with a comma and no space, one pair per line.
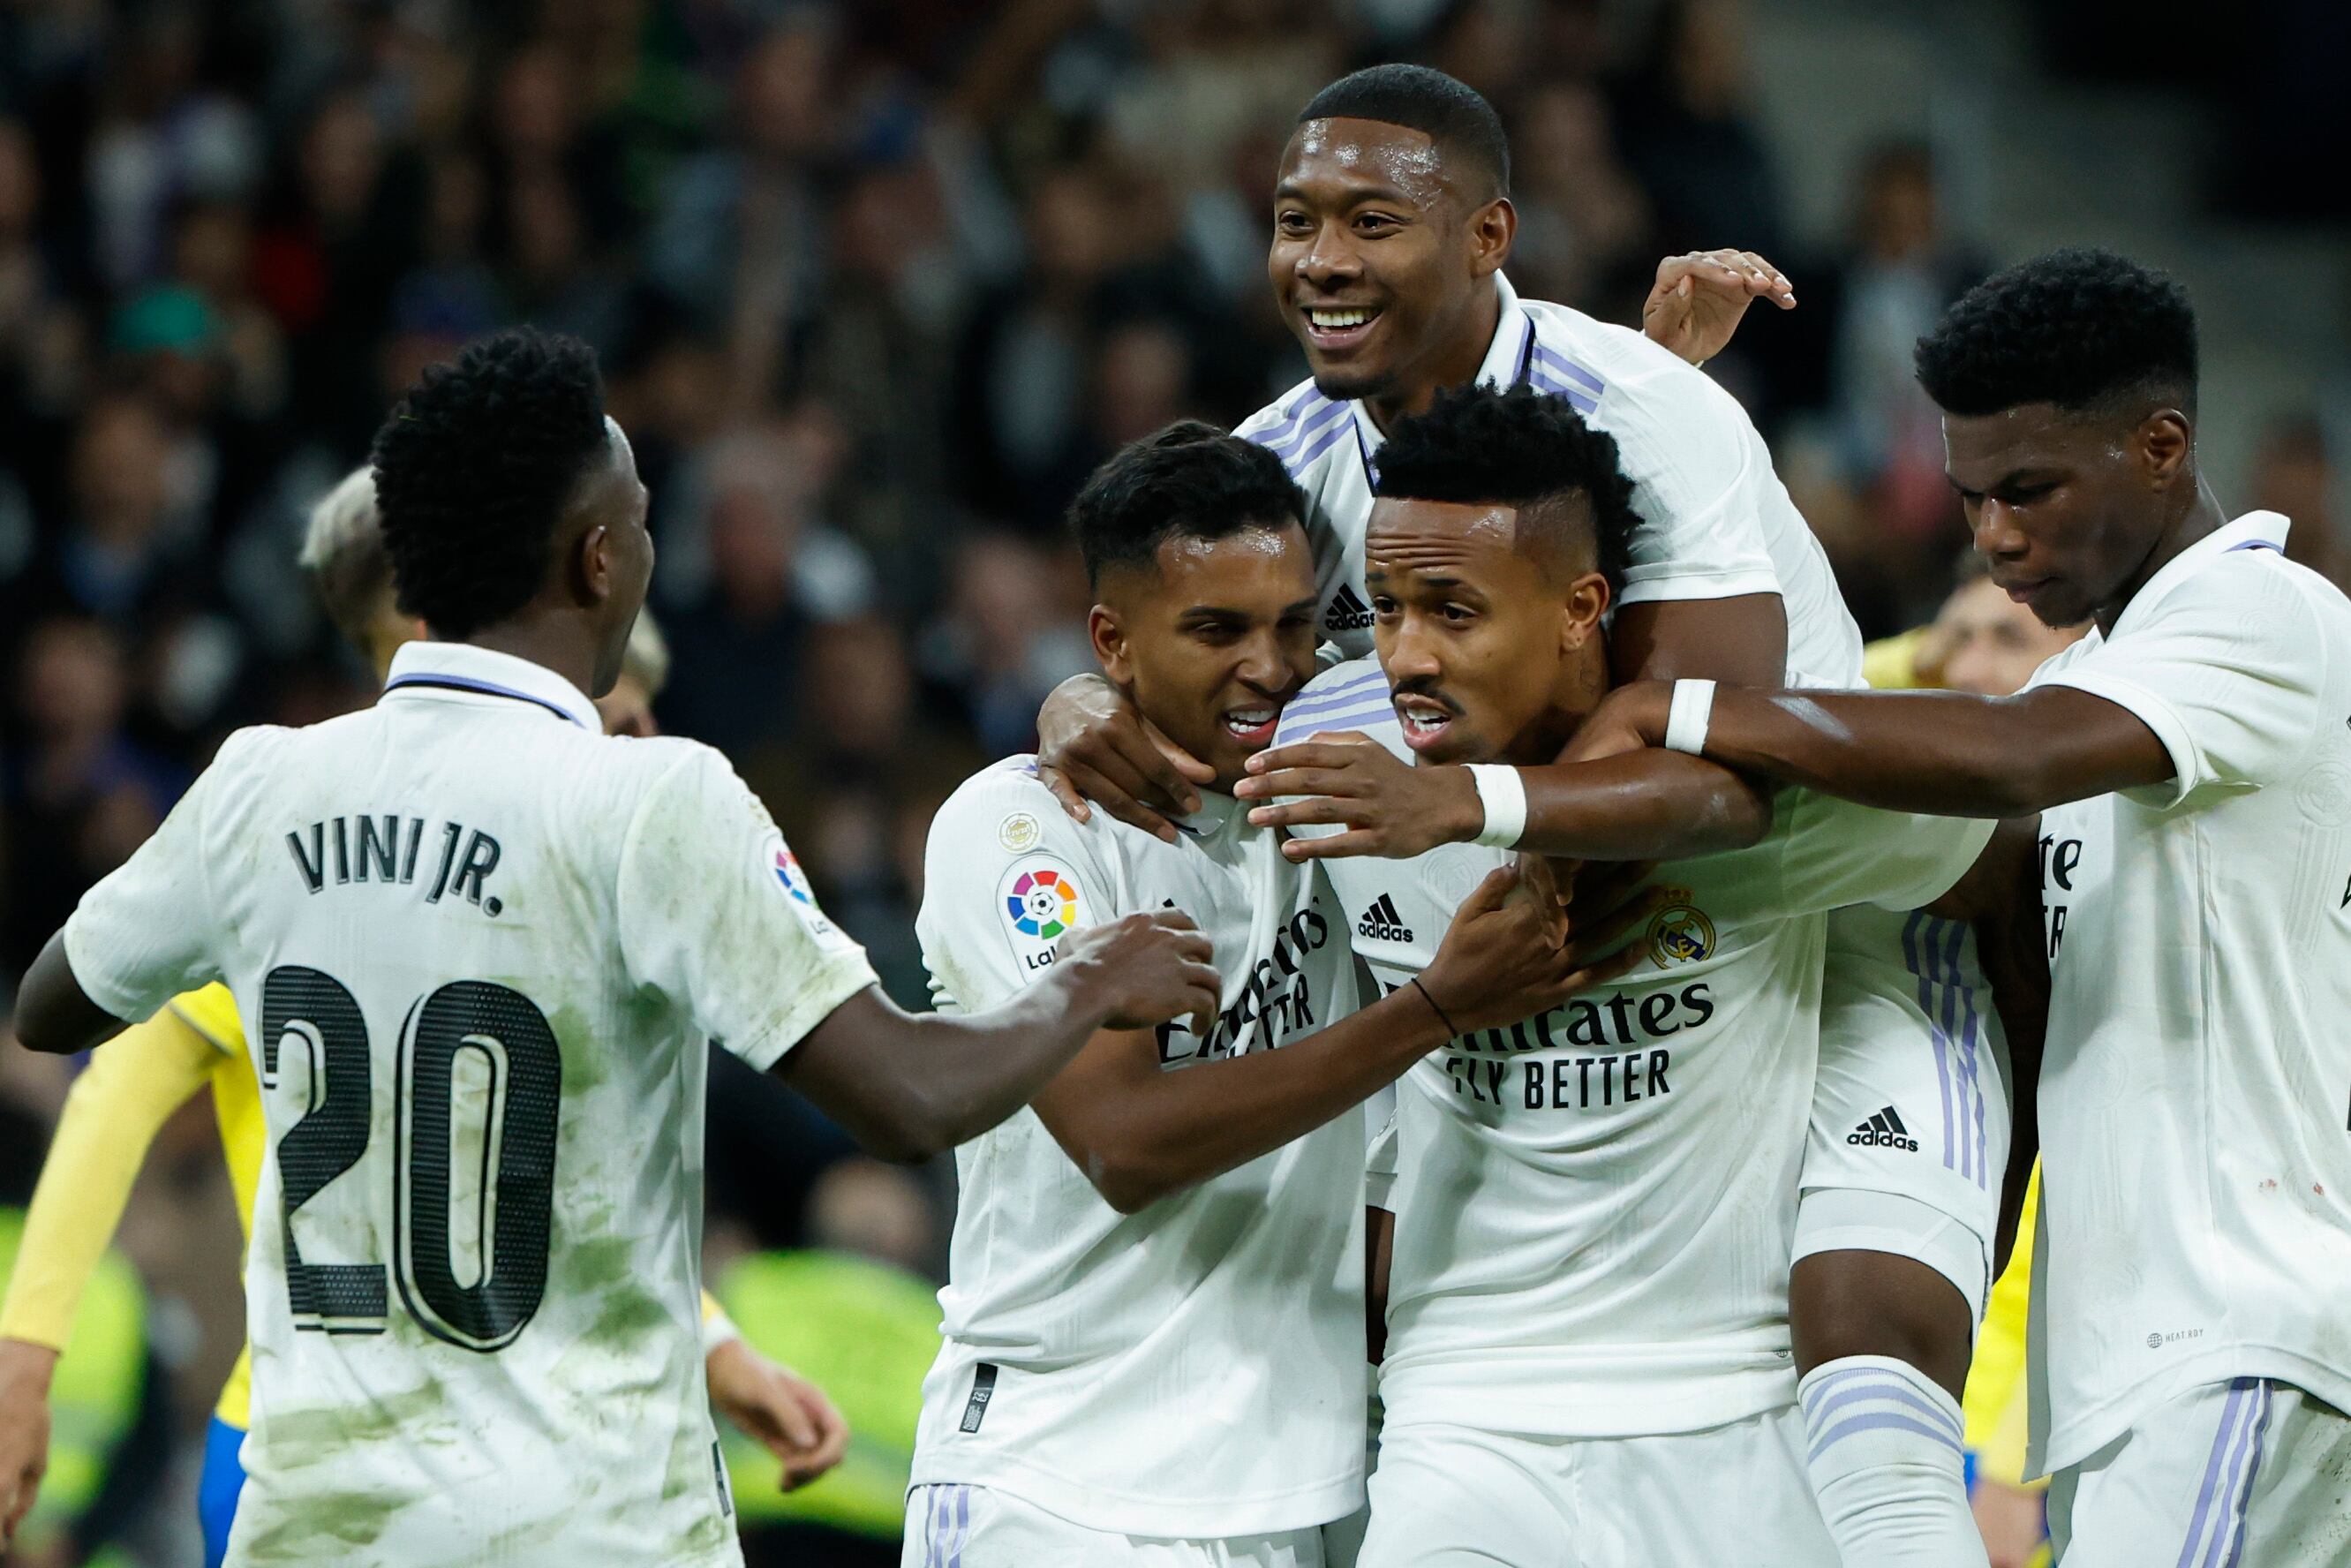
963,1526
1551,359
1918,933
2236,1526
1961,1157
2213,1464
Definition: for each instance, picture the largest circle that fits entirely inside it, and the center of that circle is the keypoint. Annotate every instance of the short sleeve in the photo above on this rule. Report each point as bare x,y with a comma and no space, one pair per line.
147,930
1006,875
716,915
1835,853
1701,478
1379,1159
2227,671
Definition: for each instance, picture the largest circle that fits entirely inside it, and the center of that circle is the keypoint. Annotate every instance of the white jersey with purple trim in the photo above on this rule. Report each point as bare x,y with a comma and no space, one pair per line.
2195,1167
1195,1369
1717,522
1595,1208
480,949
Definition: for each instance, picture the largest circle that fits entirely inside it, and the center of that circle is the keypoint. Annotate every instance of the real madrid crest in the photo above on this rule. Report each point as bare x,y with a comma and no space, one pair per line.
1018,833
1679,933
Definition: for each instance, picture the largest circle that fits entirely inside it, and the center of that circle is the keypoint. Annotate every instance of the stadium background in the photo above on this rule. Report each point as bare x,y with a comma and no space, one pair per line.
875,283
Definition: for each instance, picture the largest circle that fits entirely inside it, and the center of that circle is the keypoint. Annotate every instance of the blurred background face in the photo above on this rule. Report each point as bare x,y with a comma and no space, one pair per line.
1213,639
1371,256
1989,644
1475,635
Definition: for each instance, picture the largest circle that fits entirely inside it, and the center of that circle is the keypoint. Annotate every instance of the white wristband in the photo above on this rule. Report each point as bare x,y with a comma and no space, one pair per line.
717,1329
1503,794
1685,719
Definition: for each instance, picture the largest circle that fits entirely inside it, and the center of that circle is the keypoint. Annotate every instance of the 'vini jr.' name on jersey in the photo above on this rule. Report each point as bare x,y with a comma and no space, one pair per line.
386,851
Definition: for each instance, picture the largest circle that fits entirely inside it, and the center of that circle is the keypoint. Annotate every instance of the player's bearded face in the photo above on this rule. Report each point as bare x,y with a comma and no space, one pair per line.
1492,657
1369,261
1213,640
2060,505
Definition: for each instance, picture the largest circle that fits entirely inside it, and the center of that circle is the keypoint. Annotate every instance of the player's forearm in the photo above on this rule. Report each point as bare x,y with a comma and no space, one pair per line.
1942,753
1641,805
1161,1131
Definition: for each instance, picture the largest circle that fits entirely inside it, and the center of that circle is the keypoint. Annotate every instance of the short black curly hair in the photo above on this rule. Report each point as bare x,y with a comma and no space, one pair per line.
1516,448
1452,114
474,469
2087,330
1188,480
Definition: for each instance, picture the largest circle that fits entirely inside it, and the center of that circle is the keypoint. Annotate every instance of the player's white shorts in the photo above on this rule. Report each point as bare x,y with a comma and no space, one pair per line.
1911,1099
1452,1497
983,1527
2246,1474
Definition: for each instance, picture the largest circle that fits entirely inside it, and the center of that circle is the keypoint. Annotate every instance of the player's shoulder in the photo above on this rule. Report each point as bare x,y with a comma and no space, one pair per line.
1005,809
1302,427
1616,376
1350,695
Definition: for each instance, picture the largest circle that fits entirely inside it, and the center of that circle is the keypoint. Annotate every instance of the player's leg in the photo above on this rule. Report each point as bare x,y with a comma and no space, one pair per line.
1736,1493
2248,1474
222,1482
1902,1168
1448,1497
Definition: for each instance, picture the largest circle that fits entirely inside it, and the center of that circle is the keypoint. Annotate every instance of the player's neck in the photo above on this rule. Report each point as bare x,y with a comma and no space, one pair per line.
2202,517
1454,365
552,642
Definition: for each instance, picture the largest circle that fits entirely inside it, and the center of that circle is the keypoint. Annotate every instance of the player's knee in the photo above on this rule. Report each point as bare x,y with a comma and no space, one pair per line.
1878,1303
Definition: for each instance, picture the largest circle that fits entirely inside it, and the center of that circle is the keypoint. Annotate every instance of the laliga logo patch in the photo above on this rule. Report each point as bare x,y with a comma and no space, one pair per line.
1679,933
1043,903
787,867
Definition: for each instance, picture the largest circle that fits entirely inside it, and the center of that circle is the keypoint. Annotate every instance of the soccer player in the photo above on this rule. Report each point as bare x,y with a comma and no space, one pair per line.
1595,1208
1154,1337
478,947
2191,760
120,1102
1391,225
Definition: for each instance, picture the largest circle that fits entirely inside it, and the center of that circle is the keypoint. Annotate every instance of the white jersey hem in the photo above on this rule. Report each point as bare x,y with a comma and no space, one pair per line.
1308,1507
2071,1442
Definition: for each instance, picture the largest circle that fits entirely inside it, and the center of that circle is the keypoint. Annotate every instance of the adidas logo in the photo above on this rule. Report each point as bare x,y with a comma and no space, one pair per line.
1383,924
1884,1131
1347,612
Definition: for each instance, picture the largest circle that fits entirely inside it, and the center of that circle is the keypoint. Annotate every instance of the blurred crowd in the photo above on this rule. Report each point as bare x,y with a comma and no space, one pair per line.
874,282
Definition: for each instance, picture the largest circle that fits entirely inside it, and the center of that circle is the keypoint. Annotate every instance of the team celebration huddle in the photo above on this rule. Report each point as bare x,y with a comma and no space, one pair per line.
1474,1042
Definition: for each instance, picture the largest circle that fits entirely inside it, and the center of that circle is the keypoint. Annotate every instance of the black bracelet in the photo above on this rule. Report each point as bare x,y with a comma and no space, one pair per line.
1432,1007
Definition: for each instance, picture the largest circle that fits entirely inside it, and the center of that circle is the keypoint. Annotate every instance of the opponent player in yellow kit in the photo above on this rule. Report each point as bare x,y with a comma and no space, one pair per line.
131,1088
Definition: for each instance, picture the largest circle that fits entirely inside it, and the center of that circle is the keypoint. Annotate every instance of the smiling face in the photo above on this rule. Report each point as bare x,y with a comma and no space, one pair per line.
1492,641
1212,638
2067,507
1379,258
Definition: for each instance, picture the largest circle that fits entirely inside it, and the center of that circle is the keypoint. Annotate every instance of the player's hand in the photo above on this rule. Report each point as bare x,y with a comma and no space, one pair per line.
1144,970
1091,745
1630,719
1389,807
1498,964
1700,297
24,1370
2011,1521
784,1411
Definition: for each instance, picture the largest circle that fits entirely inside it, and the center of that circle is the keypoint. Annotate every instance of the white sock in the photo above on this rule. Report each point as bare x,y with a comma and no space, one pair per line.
1883,1446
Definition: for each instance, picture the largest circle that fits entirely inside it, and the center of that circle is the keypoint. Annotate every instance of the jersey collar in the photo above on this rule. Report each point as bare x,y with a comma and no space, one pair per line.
1215,811
1508,359
443,669
2254,531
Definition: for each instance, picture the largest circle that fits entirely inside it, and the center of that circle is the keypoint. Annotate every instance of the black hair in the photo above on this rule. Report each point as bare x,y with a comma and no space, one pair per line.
2080,328
1189,480
1514,448
1452,114
474,469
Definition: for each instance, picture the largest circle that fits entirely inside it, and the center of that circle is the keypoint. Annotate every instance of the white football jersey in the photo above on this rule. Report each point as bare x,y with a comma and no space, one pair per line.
1718,523
1595,1208
2196,1185
1195,1369
479,949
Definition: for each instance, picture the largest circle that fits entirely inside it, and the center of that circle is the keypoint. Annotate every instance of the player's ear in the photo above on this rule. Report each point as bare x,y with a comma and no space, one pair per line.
1108,635
592,563
2165,443
1493,229
1580,613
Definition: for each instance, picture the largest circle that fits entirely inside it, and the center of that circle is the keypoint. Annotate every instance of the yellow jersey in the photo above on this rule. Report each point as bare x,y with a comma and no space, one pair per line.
237,1106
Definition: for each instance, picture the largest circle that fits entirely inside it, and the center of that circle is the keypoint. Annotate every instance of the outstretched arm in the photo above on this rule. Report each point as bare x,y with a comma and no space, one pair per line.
908,1087
53,1012
1943,753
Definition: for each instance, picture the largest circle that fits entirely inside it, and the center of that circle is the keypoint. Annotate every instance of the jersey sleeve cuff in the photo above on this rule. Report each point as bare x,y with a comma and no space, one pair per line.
1663,586
842,976
2150,710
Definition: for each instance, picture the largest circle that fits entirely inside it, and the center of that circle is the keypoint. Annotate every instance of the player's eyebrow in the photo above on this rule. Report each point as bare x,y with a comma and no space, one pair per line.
1356,195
